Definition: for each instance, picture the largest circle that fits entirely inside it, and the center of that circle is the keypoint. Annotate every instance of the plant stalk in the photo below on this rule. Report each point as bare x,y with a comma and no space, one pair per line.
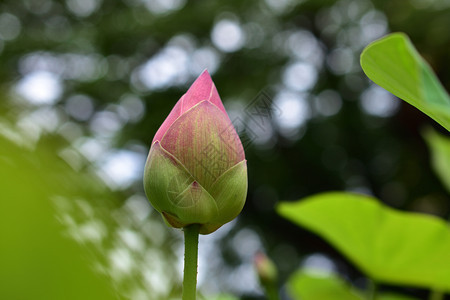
272,292
436,295
191,233
373,290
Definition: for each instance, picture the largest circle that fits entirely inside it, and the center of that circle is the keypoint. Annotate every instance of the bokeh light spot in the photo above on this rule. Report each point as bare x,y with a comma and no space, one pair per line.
376,101
10,26
121,168
83,8
300,76
319,264
295,111
328,103
80,107
204,58
228,36
133,108
340,61
167,68
40,87
105,123
163,6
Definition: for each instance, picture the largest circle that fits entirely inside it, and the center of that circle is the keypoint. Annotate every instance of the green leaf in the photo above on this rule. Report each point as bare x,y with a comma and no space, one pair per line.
440,155
394,64
37,259
390,246
62,229
311,286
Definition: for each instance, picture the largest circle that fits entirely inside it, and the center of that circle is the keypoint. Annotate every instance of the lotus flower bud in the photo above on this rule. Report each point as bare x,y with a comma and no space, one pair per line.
266,270
196,172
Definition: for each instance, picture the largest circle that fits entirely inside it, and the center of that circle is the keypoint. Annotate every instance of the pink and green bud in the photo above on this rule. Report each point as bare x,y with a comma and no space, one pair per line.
266,270
196,172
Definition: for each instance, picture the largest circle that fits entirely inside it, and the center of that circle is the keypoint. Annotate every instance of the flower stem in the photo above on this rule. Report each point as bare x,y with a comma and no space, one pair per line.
436,295
190,261
372,290
272,292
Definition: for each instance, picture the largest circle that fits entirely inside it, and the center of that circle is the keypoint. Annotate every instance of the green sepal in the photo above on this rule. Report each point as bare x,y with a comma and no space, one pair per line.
195,206
164,179
230,191
174,193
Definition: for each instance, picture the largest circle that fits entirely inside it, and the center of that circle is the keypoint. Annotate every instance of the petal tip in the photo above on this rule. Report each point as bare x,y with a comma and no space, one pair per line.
203,79
206,73
200,90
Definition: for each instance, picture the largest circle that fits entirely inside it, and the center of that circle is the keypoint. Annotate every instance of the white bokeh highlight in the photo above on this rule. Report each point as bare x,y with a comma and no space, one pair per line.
300,76
40,87
295,112
378,102
228,36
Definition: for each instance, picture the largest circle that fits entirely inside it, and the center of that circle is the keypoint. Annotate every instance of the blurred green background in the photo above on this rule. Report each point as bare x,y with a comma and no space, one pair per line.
85,84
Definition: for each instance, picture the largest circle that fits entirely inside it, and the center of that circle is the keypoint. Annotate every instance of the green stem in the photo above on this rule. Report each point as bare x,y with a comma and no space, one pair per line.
190,261
436,295
272,292
372,291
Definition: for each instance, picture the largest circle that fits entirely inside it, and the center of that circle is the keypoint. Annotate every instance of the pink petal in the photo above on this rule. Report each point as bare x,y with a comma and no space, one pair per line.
205,142
202,89
174,114
215,99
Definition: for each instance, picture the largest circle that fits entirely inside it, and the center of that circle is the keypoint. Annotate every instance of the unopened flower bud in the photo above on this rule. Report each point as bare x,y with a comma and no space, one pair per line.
266,270
196,172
